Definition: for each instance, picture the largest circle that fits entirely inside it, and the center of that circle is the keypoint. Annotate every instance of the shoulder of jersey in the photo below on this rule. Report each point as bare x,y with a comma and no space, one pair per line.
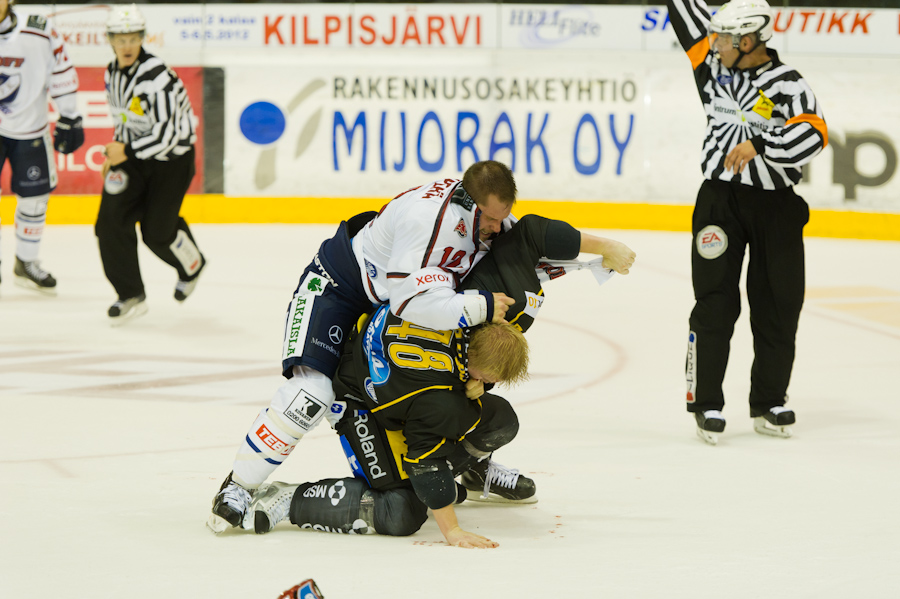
151,62
36,23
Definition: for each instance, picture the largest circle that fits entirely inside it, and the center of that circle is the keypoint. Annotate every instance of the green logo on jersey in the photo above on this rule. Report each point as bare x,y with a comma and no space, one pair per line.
296,325
315,285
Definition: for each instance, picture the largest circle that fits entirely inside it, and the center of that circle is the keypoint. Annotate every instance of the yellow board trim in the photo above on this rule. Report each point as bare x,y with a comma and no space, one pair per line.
216,208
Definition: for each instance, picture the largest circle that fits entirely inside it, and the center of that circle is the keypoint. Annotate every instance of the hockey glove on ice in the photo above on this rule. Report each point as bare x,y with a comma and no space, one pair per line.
69,135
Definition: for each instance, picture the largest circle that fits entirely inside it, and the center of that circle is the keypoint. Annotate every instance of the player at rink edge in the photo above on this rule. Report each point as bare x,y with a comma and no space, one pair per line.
36,67
434,407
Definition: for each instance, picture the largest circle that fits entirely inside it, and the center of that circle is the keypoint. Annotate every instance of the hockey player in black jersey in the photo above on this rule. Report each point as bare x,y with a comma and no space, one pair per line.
417,412
763,125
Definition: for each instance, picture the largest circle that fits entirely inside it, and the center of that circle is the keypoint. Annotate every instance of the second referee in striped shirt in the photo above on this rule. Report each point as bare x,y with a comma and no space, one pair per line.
149,167
763,125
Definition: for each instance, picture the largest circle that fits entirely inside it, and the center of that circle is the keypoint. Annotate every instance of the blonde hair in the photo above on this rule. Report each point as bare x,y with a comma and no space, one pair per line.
501,351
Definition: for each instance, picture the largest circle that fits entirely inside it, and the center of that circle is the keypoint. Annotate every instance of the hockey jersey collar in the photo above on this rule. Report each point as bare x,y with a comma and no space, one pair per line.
774,61
8,25
142,58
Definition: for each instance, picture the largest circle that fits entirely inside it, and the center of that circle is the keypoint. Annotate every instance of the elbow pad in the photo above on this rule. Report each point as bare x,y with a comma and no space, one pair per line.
562,241
478,308
432,480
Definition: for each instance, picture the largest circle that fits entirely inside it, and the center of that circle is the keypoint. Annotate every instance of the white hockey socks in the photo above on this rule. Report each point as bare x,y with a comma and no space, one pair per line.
297,407
31,215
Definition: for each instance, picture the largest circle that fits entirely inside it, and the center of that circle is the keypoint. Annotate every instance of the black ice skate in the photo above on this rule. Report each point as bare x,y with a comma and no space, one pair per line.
231,507
271,504
491,482
127,309
184,288
30,275
709,424
774,421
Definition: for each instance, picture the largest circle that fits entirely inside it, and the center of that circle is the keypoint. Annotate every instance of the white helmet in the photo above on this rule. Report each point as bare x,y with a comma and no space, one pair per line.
126,19
741,17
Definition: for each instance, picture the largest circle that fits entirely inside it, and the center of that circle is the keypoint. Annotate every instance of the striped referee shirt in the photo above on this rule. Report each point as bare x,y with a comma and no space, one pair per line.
771,105
150,109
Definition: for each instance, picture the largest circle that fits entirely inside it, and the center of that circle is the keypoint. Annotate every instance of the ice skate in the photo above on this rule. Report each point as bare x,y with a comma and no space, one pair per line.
128,309
774,422
271,504
230,507
709,424
30,275
491,482
184,288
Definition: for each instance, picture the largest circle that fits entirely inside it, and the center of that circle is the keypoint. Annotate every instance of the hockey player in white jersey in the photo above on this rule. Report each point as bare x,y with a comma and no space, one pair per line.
412,254
34,65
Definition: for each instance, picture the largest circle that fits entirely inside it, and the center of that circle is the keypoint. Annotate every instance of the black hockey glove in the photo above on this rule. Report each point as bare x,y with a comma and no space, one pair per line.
69,135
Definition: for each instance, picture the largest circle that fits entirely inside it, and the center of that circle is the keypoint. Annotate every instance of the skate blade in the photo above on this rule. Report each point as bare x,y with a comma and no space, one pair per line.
135,312
472,495
217,524
26,283
708,437
763,427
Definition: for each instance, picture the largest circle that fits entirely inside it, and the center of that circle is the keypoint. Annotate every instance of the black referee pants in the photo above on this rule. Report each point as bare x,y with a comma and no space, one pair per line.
149,192
771,224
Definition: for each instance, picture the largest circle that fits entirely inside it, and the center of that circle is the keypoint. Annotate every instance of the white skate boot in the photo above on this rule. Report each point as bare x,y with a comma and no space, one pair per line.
775,422
271,504
231,508
709,424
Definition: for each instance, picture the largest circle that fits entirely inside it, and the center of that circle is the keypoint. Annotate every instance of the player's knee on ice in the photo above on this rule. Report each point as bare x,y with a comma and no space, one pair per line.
398,512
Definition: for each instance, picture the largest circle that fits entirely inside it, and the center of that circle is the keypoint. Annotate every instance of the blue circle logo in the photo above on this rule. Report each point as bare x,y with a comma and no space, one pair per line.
262,123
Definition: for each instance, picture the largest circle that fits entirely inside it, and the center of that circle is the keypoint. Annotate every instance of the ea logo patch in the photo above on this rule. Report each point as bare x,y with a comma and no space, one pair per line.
724,79
711,242
370,389
116,182
371,270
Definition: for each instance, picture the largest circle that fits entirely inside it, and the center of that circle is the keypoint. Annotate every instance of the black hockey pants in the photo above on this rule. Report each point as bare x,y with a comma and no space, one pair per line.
727,218
149,192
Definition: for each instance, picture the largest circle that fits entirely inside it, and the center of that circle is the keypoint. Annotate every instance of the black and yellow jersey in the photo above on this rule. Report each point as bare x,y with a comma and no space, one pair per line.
413,378
511,265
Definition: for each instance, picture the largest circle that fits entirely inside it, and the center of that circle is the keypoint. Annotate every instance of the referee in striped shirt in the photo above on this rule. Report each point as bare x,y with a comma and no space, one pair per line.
763,124
148,169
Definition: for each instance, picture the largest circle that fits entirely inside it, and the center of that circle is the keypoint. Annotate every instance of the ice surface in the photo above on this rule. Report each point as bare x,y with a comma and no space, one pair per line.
114,441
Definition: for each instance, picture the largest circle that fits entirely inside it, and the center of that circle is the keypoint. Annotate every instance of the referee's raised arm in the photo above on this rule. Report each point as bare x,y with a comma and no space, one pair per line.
690,20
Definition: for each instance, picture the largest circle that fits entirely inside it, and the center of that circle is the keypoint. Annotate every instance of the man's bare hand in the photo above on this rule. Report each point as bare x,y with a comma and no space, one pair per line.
502,302
115,153
618,257
738,159
458,537
474,388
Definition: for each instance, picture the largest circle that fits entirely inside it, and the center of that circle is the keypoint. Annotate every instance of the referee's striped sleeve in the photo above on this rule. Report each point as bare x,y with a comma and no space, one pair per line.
804,133
690,20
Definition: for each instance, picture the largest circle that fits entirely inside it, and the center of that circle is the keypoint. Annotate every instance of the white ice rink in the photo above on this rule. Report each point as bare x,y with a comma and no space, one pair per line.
114,441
